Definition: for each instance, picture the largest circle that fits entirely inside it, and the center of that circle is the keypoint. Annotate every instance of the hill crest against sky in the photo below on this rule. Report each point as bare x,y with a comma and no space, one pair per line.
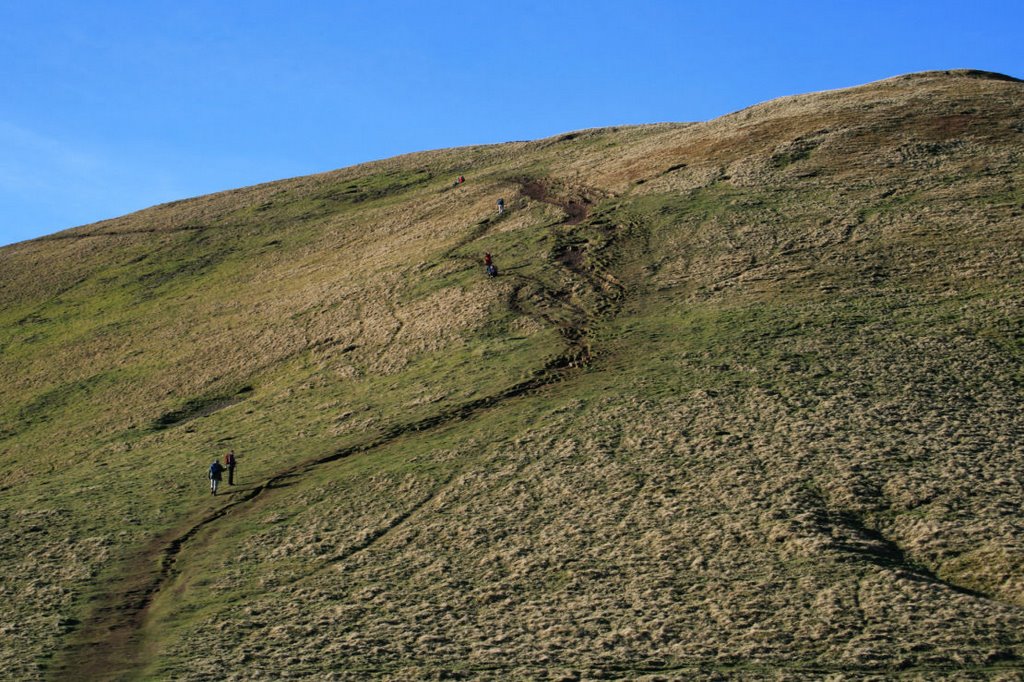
971,73
118,106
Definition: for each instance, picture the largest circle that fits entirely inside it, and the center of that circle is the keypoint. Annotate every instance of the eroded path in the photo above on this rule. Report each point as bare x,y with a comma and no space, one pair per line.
112,643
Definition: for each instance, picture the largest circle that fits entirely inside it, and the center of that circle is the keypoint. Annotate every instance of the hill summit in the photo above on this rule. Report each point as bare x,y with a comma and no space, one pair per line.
743,401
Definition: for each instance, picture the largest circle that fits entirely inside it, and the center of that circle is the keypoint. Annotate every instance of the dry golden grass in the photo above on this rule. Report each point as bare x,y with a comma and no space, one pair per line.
744,403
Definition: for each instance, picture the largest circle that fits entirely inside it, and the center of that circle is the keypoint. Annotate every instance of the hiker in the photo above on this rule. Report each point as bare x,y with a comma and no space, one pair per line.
229,463
492,270
487,259
501,206
215,472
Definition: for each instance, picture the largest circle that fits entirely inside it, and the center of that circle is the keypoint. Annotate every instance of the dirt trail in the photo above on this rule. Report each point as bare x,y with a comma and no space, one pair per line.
111,644
576,204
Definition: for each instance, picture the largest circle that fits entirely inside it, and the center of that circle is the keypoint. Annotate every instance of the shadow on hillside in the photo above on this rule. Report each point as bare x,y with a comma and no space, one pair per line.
284,480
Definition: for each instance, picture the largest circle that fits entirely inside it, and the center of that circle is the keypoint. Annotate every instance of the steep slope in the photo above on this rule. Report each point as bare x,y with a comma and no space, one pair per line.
744,400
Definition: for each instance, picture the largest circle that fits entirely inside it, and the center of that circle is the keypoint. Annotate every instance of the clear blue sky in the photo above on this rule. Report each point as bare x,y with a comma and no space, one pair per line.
110,106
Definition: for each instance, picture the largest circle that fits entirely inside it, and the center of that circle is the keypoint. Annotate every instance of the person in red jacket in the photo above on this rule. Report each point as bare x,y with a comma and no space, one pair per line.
489,267
229,464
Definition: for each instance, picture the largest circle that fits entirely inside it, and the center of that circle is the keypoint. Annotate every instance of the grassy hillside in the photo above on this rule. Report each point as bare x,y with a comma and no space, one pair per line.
745,401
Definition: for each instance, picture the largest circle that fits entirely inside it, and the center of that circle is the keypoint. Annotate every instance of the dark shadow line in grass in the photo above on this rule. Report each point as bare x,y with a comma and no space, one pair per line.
891,555
121,233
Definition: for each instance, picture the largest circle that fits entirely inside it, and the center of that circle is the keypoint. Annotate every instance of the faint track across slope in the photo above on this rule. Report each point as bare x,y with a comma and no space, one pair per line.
111,644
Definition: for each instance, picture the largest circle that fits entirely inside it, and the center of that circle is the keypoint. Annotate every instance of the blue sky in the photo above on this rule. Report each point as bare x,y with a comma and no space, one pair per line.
107,107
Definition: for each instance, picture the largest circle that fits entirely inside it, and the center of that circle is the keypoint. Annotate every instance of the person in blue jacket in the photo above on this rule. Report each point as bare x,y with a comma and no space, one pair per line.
215,474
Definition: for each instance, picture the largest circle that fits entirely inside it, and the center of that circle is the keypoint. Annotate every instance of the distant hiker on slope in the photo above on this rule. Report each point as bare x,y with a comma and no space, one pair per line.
215,471
501,206
492,270
229,463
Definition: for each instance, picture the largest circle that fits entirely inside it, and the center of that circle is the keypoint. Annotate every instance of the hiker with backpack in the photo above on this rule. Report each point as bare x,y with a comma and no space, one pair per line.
489,267
229,463
215,474
501,206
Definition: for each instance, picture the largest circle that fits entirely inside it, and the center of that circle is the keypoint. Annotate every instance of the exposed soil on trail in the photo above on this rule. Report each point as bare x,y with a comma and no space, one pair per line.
576,204
111,643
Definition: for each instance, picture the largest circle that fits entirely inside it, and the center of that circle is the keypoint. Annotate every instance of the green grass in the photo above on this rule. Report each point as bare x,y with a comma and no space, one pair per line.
763,351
